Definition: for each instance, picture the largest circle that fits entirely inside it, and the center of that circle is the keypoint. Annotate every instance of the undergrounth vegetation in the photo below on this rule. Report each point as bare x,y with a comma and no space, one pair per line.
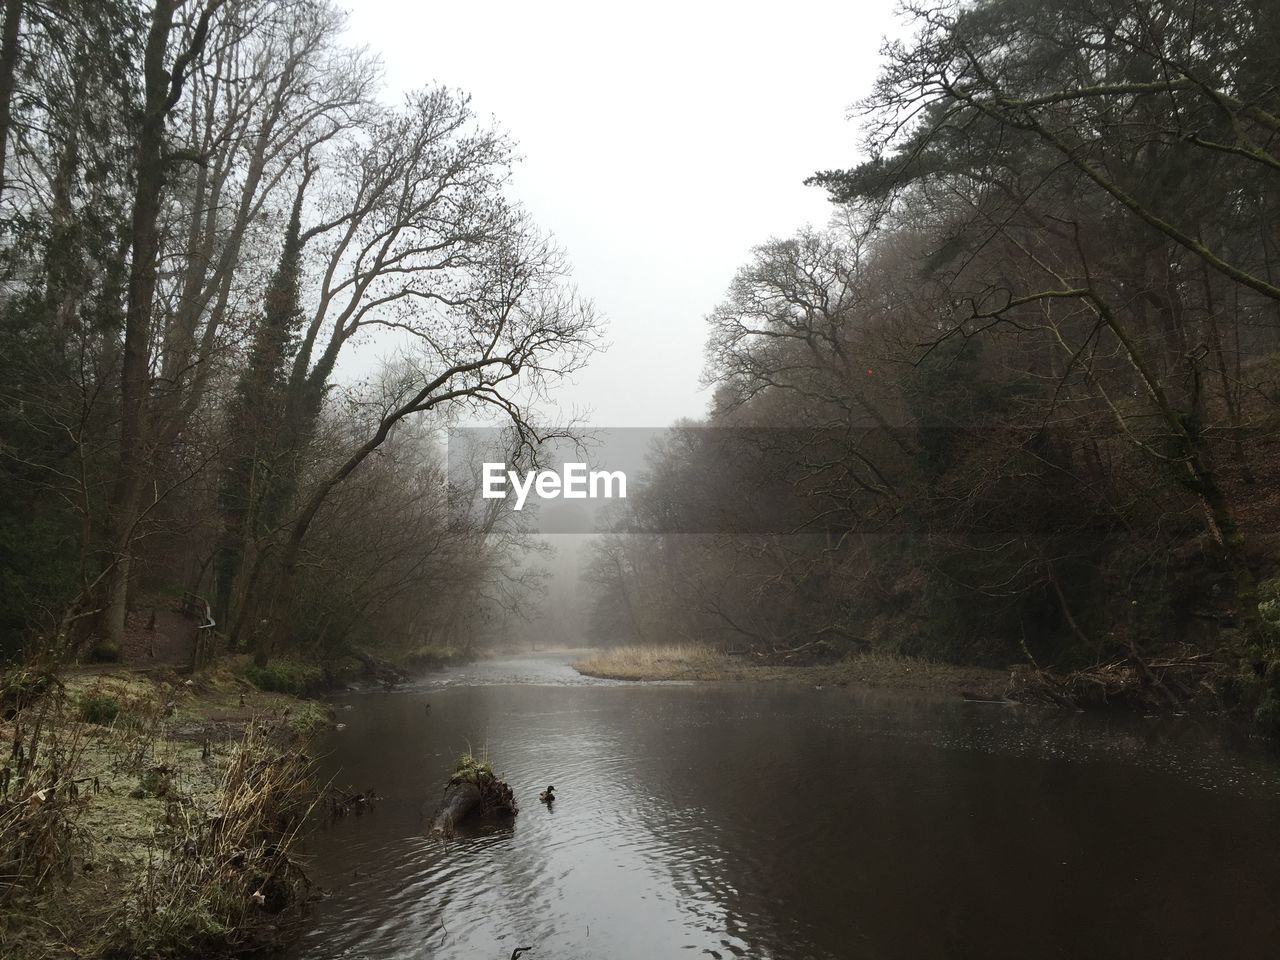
1183,680
693,662
284,676
150,815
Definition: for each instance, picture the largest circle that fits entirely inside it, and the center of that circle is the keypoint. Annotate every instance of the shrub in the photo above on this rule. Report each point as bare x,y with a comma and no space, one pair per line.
1266,717
105,651
99,708
155,782
282,676
309,721
21,688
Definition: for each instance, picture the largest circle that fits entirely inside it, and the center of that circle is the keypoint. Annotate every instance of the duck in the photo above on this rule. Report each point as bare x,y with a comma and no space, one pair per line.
548,796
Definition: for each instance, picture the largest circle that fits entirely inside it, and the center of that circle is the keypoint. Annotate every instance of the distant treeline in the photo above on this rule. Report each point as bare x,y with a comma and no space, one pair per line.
205,207
1029,374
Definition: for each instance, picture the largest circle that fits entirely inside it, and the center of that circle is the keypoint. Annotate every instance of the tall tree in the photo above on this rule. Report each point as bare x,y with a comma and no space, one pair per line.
9,53
163,78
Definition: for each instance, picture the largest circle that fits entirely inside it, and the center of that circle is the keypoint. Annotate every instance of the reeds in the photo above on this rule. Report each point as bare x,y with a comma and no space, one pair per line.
667,661
225,878
41,794
119,839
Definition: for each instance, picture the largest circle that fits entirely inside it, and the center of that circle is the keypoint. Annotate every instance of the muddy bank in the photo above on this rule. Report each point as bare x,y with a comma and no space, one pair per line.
692,663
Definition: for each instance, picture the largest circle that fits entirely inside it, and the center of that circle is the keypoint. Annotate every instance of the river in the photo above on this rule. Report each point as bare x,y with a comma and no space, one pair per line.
768,821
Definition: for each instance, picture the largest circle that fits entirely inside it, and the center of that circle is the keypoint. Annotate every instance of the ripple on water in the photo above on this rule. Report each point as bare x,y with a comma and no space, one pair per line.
772,822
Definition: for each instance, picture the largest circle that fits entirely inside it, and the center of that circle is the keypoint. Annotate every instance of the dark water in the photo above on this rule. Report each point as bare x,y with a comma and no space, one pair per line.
764,822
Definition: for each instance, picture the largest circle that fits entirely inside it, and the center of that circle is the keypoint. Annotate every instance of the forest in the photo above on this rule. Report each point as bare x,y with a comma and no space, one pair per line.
974,544
1022,388
207,208
1022,391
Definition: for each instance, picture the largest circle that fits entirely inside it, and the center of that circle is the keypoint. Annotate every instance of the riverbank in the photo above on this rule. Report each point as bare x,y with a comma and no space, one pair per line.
150,814
690,662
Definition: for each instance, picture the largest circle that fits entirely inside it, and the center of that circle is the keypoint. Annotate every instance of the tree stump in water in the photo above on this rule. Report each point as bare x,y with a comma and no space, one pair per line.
473,792
460,800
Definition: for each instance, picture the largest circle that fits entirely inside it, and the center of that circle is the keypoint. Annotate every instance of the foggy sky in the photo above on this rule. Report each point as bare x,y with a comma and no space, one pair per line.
660,142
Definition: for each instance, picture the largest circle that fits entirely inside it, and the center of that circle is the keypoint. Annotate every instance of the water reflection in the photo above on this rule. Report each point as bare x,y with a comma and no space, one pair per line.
789,823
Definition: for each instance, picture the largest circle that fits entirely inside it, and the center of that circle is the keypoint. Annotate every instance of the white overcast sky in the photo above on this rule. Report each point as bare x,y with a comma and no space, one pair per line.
660,142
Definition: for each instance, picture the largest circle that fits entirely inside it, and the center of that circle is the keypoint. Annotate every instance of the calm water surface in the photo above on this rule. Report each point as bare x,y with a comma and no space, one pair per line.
769,822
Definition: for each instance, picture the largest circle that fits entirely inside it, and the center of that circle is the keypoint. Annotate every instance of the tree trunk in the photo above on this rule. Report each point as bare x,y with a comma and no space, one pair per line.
163,86
252,497
135,371
8,70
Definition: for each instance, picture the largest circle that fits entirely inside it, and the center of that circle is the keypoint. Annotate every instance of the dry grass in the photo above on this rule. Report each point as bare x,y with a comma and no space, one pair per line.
43,791
140,817
669,662
222,878
694,662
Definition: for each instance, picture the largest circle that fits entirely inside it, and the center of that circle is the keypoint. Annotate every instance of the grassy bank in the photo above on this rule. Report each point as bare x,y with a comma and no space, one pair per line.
692,662
150,815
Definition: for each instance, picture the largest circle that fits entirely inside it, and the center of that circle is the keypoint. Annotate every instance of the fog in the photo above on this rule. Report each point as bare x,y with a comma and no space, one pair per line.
642,132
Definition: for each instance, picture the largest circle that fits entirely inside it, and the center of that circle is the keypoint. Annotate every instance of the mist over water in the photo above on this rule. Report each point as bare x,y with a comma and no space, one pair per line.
780,822
932,345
